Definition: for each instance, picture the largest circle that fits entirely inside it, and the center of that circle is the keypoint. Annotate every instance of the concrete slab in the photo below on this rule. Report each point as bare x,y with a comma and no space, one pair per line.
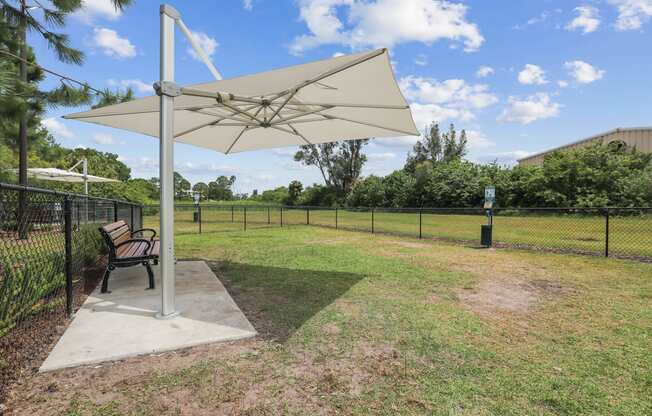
121,324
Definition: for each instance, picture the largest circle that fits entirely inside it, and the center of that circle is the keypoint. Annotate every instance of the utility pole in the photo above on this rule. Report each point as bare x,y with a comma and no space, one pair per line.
22,127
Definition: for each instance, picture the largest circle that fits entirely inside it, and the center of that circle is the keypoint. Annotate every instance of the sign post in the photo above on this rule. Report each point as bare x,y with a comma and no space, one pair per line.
486,231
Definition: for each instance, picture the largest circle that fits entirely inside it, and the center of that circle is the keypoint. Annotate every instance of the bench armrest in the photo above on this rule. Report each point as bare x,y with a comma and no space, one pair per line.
136,240
151,230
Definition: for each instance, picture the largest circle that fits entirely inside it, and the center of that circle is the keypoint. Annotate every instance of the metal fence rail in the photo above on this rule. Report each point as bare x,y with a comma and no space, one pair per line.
49,254
612,232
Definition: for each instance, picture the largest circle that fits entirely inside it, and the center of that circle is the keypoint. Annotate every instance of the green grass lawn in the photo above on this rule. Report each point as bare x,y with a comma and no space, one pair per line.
629,236
357,324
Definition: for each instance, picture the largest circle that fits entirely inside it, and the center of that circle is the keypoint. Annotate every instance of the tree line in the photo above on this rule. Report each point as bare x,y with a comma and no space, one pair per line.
436,174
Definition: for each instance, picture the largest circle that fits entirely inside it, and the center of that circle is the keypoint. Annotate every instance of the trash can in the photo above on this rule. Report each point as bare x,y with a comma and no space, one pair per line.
485,235
195,216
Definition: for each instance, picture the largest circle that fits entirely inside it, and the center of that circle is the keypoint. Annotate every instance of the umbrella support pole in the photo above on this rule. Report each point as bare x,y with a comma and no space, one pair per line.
166,165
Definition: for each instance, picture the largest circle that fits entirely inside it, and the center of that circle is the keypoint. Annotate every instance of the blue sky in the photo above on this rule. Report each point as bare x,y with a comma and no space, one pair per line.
519,76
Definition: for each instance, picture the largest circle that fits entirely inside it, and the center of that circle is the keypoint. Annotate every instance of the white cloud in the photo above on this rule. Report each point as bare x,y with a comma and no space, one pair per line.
421,60
57,128
384,23
539,19
92,9
338,54
248,4
562,84
452,92
381,156
535,107
583,72
434,101
587,19
207,43
632,14
112,44
134,84
106,139
477,140
532,75
484,71
402,141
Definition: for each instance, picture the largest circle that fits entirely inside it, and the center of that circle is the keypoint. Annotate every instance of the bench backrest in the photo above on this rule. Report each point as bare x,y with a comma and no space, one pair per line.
115,233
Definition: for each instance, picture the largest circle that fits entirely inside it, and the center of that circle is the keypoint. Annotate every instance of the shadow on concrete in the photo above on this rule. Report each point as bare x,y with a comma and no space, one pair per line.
278,301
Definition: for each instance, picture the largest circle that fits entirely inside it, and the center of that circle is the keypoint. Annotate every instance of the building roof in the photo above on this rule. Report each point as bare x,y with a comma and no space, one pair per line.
588,139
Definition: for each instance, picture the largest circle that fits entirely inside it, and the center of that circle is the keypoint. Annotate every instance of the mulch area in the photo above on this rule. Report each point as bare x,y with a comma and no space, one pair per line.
26,346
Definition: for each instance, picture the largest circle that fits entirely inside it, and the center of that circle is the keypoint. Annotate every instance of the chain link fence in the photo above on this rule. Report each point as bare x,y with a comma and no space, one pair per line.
613,232
51,257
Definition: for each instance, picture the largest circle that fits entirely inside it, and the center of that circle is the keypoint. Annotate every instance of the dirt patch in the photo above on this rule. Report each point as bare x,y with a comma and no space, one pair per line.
331,329
433,298
410,244
492,295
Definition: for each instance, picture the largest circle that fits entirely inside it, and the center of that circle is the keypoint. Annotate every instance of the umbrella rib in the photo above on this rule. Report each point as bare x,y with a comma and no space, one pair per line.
285,119
242,132
375,106
210,123
287,100
295,132
229,117
244,112
236,140
370,125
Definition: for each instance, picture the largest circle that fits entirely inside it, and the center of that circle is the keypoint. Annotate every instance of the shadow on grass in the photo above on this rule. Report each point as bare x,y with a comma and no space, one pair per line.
278,301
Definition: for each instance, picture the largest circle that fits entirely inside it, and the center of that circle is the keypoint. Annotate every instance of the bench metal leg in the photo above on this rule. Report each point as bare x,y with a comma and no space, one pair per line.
150,274
105,281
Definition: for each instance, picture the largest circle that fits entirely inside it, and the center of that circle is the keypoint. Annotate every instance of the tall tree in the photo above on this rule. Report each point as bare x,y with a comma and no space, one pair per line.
435,147
44,19
181,187
294,191
340,164
202,189
221,188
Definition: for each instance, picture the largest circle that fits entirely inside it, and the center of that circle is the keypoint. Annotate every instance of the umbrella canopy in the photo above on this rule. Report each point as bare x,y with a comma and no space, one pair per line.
60,175
348,97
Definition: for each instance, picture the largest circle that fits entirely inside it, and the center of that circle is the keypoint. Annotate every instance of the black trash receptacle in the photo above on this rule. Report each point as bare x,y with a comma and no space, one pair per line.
195,216
485,235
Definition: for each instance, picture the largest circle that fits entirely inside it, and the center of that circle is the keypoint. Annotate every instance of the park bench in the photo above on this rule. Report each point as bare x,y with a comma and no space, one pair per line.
126,251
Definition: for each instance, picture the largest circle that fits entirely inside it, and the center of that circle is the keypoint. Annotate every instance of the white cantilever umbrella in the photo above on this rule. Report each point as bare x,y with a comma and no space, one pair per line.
348,97
60,175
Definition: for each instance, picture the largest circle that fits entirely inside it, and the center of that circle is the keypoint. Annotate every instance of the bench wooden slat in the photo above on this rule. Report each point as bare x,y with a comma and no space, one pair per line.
154,250
114,225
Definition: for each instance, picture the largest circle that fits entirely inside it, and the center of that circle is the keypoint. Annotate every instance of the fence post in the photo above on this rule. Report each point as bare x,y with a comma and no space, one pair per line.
606,233
67,219
115,211
199,215
245,218
131,214
307,216
420,221
372,220
281,216
268,217
336,210
232,220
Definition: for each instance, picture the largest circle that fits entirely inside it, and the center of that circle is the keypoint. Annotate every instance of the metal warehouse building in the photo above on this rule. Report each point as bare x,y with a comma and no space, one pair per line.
638,137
